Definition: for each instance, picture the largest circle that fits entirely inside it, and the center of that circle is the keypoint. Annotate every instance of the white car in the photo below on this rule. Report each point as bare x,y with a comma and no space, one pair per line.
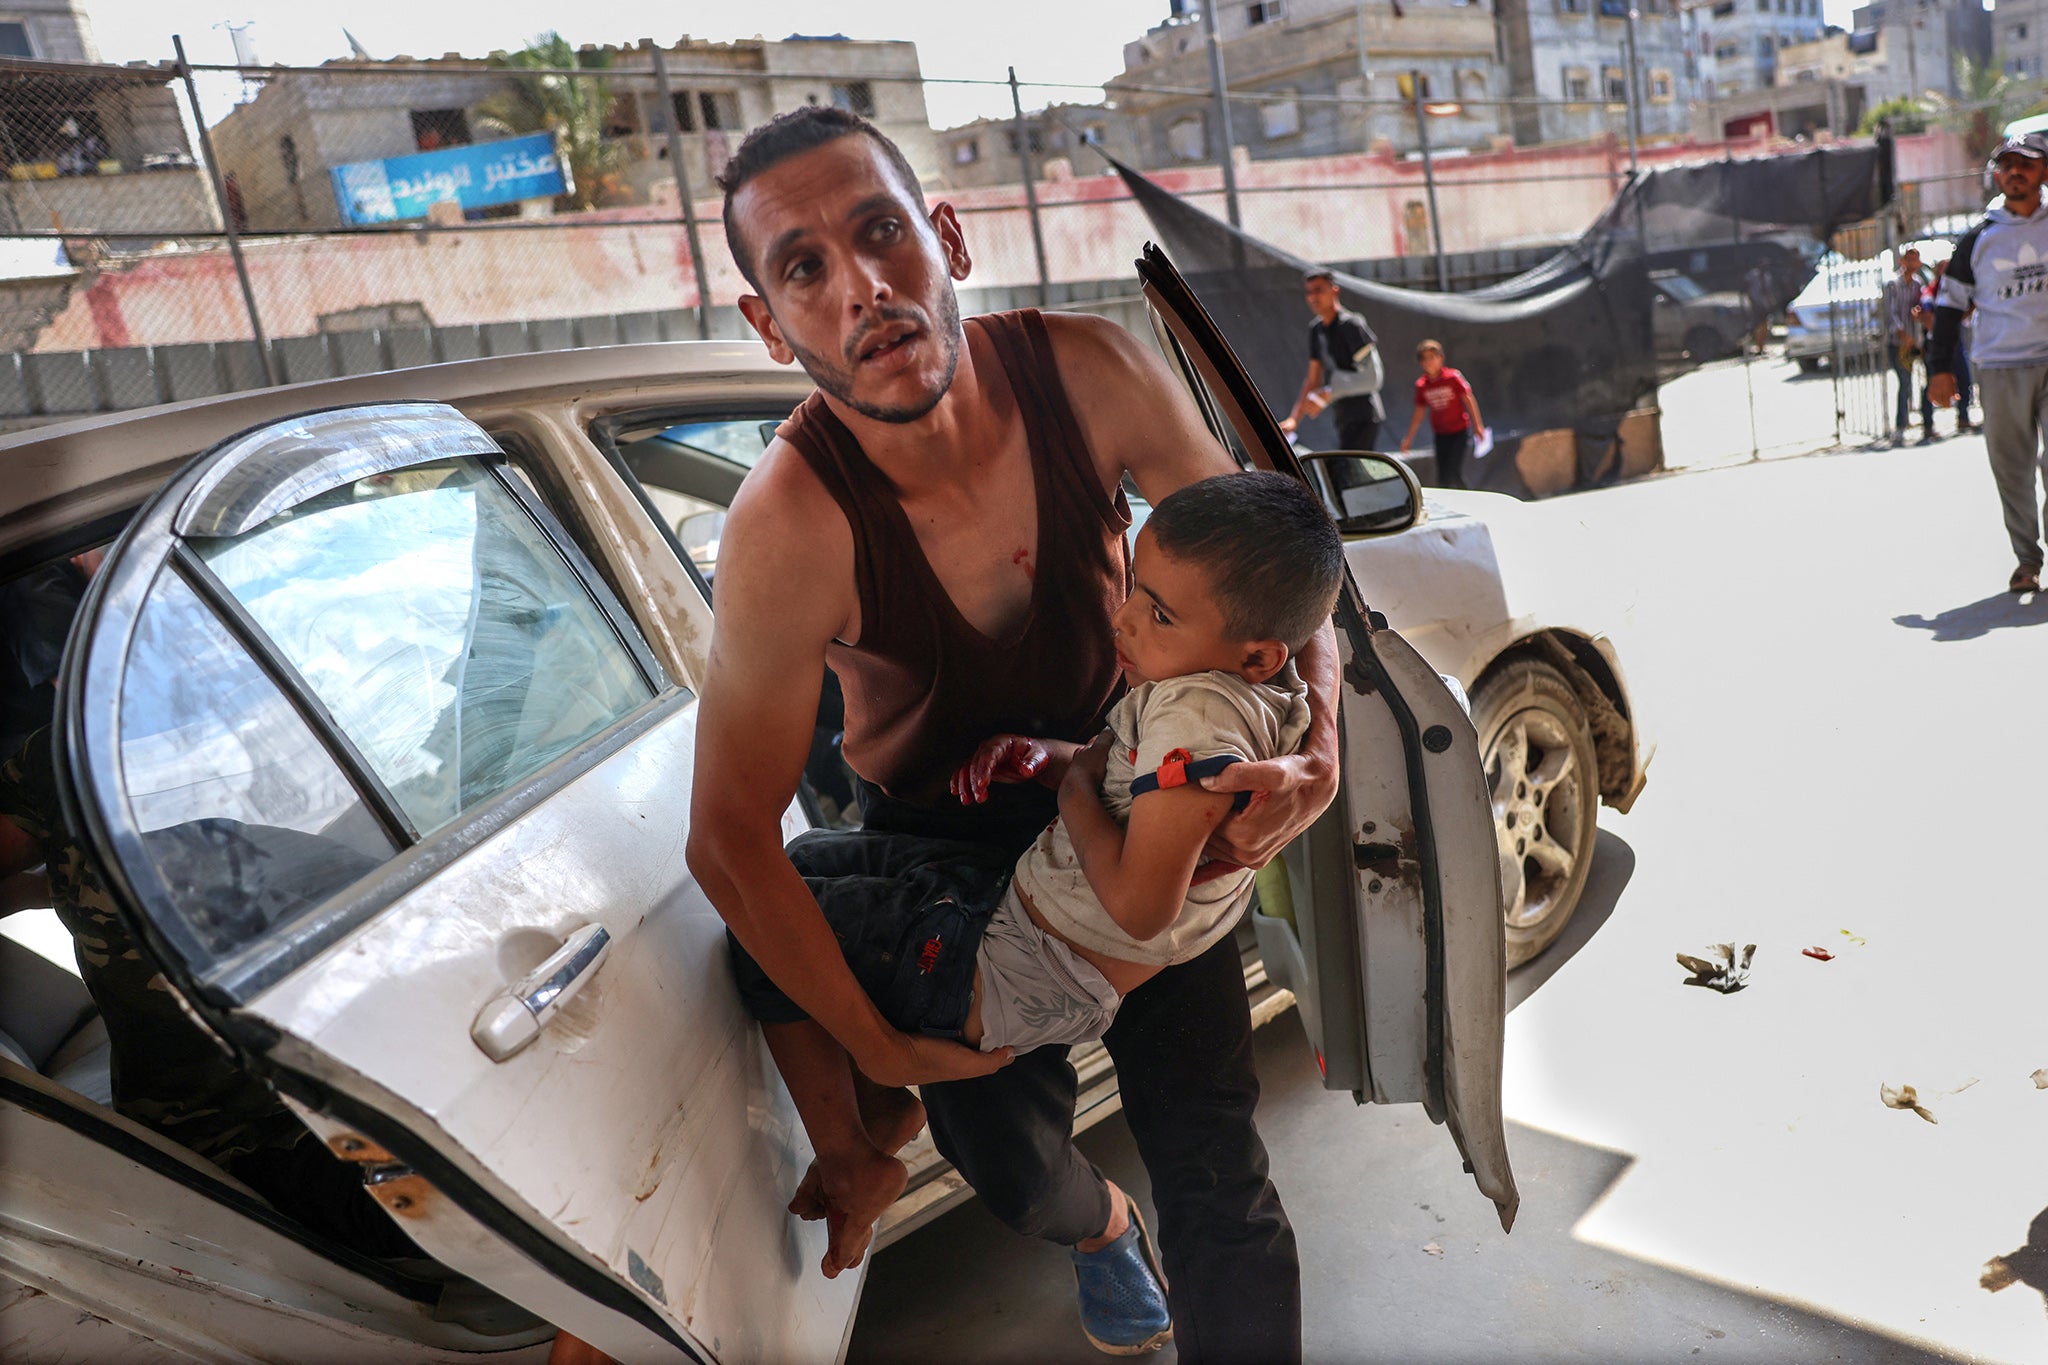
379,717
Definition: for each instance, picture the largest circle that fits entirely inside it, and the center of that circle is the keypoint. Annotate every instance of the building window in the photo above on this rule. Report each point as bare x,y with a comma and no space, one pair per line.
1265,12
2019,31
1614,84
1035,138
967,151
1187,139
14,41
288,153
1614,9
1280,117
1727,52
1571,6
1660,86
1578,83
1405,83
1092,134
855,97
433,129
718,109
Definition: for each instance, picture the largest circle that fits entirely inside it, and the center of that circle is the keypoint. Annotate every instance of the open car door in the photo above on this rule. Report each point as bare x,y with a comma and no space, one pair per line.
396,793
1391,932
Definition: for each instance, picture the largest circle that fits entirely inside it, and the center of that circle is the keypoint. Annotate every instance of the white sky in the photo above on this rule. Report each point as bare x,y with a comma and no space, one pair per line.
1049,40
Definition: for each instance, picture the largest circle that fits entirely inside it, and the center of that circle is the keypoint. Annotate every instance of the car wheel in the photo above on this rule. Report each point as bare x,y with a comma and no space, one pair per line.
1809,364
1704,343
1543,776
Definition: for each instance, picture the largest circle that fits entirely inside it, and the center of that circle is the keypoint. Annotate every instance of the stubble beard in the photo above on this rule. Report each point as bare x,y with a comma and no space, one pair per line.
836,379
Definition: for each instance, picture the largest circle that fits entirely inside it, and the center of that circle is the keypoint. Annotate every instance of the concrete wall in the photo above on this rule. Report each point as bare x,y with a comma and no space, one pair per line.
630,261
58,29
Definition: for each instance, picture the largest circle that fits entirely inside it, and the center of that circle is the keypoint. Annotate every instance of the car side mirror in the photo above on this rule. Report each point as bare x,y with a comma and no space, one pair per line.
1367,494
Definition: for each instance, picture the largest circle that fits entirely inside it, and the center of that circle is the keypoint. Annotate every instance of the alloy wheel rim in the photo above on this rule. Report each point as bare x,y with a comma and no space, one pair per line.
1538,794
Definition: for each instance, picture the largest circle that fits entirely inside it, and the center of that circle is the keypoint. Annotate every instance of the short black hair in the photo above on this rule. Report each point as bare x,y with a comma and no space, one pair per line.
1274,556
1311,276
788,134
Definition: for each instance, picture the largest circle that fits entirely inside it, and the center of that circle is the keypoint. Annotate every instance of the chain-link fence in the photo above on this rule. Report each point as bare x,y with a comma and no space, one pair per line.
178,230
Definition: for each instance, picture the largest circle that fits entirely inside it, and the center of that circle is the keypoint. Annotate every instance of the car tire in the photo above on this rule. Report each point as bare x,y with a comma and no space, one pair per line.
1543,775
1704,343
1809,364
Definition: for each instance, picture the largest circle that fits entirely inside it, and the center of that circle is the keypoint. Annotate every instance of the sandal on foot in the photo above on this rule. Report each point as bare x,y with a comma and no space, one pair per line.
2024,579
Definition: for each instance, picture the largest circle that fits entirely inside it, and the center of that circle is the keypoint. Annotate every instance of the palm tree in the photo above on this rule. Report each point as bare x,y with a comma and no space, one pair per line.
1989,99
576,109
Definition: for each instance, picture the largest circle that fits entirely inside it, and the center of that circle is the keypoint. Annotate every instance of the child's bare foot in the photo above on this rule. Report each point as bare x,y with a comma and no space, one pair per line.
808,1203
891,1115
857,1192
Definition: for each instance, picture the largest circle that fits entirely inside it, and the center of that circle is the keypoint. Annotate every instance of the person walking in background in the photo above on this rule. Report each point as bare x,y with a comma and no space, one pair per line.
2000,267
1344,369
1453,412
1928,298
1902,329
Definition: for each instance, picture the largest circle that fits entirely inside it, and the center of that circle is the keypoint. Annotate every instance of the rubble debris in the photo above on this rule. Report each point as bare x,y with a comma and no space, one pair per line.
2041,1079
1817,953
1727,976
1433,1249
1904,1097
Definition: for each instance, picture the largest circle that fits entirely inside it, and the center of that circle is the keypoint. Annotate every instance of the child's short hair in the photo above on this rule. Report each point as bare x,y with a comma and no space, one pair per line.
1427,346
1275,559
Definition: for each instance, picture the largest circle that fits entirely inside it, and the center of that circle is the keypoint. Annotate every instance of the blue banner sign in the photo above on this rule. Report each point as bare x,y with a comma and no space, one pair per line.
475,177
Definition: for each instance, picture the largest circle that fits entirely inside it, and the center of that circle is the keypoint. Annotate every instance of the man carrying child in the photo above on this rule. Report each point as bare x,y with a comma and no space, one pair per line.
942,523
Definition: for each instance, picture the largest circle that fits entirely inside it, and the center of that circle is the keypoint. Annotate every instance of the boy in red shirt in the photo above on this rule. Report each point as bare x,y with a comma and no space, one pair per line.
1453,414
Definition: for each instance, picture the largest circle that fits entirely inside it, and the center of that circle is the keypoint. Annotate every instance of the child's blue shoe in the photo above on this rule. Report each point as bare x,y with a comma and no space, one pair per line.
1123,1293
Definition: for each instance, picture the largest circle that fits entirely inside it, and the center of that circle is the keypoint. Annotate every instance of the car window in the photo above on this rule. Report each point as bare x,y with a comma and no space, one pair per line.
740,440
449,640
1680,288
244,815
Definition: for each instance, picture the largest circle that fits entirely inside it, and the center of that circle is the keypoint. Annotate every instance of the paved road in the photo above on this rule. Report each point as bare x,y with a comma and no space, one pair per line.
1850,740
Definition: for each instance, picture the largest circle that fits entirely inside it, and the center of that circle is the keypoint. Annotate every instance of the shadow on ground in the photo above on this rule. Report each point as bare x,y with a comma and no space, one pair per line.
1402,1258
2000,611
1614,862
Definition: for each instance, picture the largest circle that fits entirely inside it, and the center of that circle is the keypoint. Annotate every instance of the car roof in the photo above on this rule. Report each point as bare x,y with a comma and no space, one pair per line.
72,474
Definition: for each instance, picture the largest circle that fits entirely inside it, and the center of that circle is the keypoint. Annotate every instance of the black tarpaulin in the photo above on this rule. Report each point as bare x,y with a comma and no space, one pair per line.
1565,347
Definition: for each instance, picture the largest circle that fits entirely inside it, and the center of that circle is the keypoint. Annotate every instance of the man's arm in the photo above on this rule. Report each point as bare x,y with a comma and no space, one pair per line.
1138,418
758,705
1309,385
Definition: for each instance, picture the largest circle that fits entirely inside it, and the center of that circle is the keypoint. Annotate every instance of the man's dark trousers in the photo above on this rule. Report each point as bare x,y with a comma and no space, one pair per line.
1182,1043
1358,424
1904,374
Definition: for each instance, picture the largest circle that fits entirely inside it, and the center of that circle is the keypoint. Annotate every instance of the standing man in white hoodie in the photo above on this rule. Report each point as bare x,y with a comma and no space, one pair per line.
2000,268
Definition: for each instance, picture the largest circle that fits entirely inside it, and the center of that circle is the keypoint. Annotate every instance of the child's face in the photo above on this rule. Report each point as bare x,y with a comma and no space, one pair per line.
1170,625
1432,363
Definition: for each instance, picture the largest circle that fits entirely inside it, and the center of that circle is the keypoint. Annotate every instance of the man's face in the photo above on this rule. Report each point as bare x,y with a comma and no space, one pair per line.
1322,298
1909,264
2019,177
856,279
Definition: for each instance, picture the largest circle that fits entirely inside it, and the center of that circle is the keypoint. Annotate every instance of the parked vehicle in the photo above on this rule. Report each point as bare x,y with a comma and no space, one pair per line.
1841,312
1690,323
379,716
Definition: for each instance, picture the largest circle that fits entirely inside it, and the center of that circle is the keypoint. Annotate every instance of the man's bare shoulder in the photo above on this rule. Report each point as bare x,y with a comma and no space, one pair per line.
1134,412
784,531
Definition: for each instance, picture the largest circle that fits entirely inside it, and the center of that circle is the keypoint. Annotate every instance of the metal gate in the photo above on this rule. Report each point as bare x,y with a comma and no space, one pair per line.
1861,347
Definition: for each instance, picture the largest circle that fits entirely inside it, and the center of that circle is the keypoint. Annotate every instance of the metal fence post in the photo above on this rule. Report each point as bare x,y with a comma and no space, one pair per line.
1030,192
682,176
1218,89
227,218
1436,227
1629,92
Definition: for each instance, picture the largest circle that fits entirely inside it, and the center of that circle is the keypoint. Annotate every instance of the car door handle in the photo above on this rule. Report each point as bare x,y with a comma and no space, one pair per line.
515,1018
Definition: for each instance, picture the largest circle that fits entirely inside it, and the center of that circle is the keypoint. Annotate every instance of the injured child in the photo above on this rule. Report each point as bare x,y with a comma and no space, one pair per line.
1231,576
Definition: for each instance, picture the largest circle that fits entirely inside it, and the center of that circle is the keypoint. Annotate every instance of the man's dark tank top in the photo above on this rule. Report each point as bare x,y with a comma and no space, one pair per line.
923,686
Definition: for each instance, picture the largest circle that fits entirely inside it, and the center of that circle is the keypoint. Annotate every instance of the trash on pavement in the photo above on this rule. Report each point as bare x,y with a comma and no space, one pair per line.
2041,1079
1854,938
1727,976
1904,1097
1433,1249
1817,953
